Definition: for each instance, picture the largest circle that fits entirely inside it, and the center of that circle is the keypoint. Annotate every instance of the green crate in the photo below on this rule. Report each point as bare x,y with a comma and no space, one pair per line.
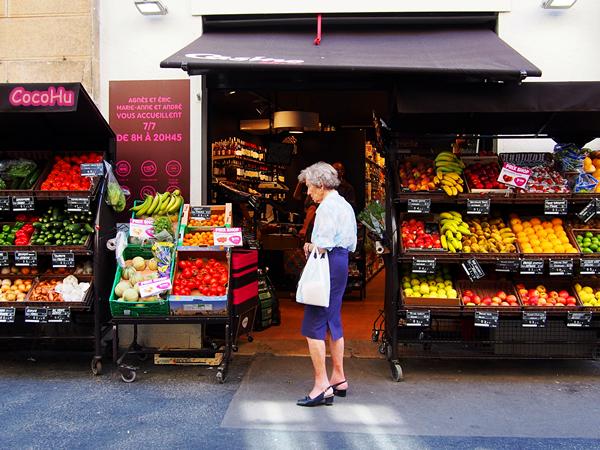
137,309
176,227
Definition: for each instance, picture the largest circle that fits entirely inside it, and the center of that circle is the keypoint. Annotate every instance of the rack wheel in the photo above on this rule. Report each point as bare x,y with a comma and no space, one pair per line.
220,377
381,348
250,338
397,374
96,367
128,375
142,356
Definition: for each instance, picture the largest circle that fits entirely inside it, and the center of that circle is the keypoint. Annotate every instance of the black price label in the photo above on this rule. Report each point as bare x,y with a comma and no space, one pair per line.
36,314
200,212
25,259
3,259
418,318
534,319
589,266
486,319
59,315
7,315
23,204
78,204
426,266
419,205
588,211
92,170
473,269
4,203
479,206
556,207
579,319
531,267
561,267
63,259
507,265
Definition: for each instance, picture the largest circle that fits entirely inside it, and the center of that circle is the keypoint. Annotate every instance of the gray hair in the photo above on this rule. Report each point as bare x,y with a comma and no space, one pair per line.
320,174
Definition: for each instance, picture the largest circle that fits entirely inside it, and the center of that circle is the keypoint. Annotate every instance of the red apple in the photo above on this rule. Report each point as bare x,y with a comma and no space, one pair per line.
563,294
511,298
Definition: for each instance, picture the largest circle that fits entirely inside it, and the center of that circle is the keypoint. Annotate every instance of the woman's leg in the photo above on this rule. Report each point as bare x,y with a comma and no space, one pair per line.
337,355
317,355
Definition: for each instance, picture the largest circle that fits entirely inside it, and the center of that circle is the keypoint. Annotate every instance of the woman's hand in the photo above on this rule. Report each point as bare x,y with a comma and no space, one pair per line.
308,247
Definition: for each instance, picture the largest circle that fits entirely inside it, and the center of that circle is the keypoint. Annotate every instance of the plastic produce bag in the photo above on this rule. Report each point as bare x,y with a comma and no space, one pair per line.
570,156
585,183
314,285
115,193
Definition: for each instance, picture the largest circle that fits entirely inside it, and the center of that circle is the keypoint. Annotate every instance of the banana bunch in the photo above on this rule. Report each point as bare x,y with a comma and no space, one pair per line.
489,236
160,205
452,230
448,175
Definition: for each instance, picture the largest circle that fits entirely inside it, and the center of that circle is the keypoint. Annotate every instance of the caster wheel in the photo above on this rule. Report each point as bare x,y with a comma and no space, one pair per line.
381,349
96,367
250,339
397,374
388,352
220,377
234,348
142,356
129,376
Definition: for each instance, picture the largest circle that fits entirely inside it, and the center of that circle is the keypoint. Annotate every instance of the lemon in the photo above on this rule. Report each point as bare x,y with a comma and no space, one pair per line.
408,292
424,289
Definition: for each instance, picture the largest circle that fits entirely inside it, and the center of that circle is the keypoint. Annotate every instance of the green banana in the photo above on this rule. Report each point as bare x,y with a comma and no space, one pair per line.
142,205
165,204
147,203
176,206
154,205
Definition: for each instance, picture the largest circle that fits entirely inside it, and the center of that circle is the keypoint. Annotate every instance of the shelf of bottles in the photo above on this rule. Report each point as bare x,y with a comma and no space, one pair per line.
374,174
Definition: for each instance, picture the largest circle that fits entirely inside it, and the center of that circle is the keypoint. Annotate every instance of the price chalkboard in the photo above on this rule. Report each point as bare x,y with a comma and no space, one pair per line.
7,315
426,266
4,204
561,267
479,206
3,259
78,204
23,204
556,207
579,319
419,205
63,259
25,259
588,211
473,269
200,212
486,319
34,314
59,315
534,319
418,318
589,266
531,267
507,265
92,170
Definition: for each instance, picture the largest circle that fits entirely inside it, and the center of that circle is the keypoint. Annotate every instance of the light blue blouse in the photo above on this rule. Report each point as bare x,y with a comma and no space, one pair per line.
335,224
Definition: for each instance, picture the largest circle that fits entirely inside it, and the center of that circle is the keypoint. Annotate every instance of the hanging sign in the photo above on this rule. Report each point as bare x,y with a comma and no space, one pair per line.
23,204
473,269
419,205
7,315
579,319
34,314
561,267
587,212
531,267
200,212
486,319
589,266
426,266
534,319
4,204
480,206
507,265
418,318
556,207
78,204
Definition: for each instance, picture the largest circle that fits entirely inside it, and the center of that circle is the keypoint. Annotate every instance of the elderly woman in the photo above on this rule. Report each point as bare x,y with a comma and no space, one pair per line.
334,232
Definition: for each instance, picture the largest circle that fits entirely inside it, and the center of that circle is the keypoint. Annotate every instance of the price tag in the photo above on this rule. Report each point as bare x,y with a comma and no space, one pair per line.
25,259
36,314
507,265
426,266
479,206
78,204
589,266
588,211
486,319
59,315
4,203
534,319
7,315
531,267
23,204
200,212
561,267
419,205
92,170
579,319
418,318
63,259
473,269
556,207
3,259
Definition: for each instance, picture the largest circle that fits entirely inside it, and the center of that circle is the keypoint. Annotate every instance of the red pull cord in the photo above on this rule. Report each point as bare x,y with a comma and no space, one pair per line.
318,38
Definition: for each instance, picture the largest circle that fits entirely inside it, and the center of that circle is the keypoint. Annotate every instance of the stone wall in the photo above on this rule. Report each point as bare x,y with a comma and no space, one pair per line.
49,41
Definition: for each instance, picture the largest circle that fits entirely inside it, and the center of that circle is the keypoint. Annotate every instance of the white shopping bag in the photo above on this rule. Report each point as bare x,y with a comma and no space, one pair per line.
313,287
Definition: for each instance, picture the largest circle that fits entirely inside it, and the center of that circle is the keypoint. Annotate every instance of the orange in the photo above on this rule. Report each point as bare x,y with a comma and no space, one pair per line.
535,221
559,249
564,239
529,231
515,221
556,221
538,249
517,227
547,225
537,227
526,224
534,242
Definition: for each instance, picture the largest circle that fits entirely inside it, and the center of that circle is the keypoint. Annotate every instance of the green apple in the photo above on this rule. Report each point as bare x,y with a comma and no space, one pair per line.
424,289
406,285
408,292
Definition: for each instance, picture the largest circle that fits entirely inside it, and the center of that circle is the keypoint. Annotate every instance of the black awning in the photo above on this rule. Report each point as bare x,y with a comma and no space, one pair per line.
466,53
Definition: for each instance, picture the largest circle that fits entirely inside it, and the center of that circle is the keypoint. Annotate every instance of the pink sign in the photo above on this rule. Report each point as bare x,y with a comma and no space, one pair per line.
53,96
514,175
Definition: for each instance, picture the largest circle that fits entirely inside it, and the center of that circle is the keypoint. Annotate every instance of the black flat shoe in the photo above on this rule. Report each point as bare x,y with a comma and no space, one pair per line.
339,392
320,399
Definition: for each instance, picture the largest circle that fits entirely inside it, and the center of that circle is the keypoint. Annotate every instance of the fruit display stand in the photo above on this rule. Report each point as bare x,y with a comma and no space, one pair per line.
512,253
56,220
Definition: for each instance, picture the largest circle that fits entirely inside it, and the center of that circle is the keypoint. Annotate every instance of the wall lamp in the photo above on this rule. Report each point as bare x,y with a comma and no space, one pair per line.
558,4
151,7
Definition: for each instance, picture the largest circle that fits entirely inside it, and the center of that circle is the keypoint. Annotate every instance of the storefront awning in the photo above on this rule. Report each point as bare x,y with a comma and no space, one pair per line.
466,53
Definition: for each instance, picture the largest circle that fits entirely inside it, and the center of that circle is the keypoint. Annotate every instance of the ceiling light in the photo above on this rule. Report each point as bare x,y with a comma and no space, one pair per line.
558,4
296,121
151,7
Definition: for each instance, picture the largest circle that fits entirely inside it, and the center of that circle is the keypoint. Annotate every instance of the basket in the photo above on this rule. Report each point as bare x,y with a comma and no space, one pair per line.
487,255
549,254
469,160
488,288
175,228
595,285
39,157
577,232
432,224
225,209
550,286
